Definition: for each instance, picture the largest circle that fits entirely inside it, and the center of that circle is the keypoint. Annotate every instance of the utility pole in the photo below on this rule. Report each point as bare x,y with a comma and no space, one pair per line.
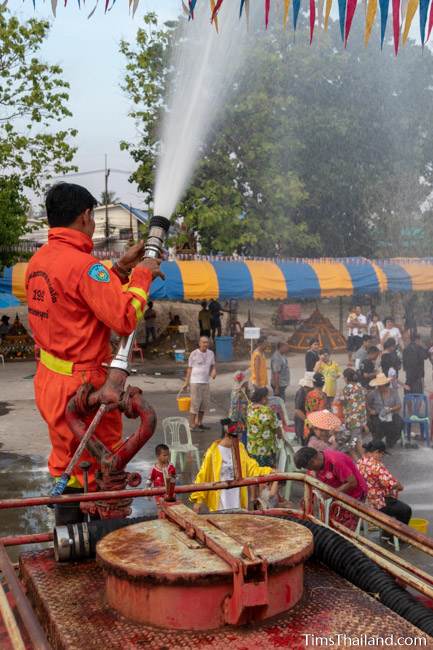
107,225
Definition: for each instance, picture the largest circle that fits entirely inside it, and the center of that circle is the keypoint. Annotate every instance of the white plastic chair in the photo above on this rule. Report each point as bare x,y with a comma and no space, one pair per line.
279,407
172,429
2,359
364,528
286,463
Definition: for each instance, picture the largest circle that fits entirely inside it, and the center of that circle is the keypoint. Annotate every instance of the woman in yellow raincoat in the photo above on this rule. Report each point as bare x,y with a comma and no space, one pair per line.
217,465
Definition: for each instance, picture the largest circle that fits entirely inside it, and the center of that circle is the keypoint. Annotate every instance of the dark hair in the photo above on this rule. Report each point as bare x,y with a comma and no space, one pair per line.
65,202
204,304
160,448
304,456
150,304
389,343
373,349
366,337
259,394
388,318
324,351
313,340
280,344
350,374
318,380
260,340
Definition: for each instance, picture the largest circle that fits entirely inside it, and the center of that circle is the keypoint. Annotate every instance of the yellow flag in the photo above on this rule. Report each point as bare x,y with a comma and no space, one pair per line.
412,6
212,7
328,8
369,19
286,12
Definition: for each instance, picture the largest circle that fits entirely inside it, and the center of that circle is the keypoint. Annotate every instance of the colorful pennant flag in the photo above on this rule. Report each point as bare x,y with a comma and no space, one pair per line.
369,19
312,19
384,6
423,9
267,9
396,23
342,16
216,9
54,6
296,7
412,6
430,21
350,12
328,8
286,13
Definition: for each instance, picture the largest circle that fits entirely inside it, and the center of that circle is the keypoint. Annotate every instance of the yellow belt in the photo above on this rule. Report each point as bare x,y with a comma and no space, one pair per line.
55,364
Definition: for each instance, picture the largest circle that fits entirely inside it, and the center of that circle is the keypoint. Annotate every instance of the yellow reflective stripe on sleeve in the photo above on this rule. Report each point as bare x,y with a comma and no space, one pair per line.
55,364
137,306
138,292
72,483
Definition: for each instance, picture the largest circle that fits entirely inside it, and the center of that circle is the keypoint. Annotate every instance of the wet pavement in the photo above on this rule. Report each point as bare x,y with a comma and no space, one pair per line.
24,446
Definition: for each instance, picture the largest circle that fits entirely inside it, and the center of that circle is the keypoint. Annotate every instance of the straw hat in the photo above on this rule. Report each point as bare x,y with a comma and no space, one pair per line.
324,420
307,380
381,380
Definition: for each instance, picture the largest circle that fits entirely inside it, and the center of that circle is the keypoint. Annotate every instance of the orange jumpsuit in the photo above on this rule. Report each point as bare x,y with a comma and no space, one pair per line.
74,302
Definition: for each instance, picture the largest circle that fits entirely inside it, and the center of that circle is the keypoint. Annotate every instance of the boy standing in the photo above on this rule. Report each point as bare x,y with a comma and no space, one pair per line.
162,468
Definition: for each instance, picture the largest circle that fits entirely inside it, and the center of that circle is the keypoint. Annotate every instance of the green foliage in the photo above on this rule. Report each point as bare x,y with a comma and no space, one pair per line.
108,197
321,151
33,97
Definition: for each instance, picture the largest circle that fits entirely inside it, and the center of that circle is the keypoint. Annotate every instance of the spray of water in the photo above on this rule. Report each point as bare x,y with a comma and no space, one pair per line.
205,66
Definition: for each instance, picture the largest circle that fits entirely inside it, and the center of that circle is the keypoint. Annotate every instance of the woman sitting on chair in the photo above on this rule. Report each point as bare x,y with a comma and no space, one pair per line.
217,465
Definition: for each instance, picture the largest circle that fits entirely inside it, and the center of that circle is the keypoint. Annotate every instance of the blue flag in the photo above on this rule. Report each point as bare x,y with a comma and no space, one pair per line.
384,5
296,7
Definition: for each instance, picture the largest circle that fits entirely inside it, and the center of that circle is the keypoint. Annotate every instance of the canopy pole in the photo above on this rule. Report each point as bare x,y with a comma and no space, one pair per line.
340,314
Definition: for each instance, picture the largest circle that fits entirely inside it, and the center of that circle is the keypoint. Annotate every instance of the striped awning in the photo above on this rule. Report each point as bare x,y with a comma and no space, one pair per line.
201,279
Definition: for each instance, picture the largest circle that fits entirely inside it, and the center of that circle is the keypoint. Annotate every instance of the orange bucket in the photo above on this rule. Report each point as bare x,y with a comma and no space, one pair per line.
183,404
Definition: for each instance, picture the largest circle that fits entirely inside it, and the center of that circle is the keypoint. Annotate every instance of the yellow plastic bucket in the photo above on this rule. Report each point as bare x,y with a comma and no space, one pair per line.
420,525
183,404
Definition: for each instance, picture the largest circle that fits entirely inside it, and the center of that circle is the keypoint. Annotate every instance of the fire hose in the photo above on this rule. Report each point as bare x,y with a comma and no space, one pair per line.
112,395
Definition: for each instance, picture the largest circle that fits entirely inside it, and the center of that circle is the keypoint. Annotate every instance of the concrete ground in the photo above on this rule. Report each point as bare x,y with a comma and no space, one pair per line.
24,443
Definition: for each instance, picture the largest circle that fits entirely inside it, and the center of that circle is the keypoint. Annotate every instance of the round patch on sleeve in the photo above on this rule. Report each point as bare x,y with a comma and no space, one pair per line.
99,273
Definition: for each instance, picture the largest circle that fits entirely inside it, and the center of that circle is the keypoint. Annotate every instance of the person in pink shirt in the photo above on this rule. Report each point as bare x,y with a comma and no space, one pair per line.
338,470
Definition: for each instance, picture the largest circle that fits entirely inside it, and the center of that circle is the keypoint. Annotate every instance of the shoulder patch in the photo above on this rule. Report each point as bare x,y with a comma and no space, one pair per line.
99,273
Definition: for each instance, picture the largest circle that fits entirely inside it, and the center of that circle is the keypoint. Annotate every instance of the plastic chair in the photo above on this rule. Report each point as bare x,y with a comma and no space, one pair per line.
415,411
172,429
279,407
2,359
137,350
364,528
286,463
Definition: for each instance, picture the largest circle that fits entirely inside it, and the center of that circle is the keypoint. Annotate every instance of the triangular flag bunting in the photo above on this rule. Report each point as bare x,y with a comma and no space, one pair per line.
396,23
328,8
412,6
342,16
430,21
351,7
286,13
267,9
423,9
212,7
216,9
54,6
369,20
312,18
296,7
384,6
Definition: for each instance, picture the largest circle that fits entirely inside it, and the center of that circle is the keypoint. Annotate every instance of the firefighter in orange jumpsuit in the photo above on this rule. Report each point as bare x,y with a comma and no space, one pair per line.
74,302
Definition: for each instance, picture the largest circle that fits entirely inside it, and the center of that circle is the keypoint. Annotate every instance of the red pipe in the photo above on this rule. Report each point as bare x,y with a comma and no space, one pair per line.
35,538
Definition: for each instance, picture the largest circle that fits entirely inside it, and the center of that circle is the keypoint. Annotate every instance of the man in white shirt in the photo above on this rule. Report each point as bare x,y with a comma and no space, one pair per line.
201,368
357,326
390,331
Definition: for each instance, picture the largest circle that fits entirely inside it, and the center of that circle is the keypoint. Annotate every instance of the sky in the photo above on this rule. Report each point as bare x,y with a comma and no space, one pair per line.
87,50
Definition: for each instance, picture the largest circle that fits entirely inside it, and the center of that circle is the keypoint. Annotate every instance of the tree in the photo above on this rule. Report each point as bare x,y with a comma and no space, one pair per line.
108,197
33,97
322,150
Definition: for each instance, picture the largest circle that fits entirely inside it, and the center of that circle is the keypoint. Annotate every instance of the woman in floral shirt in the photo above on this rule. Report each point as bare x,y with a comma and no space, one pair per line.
263,428
354,403
382,486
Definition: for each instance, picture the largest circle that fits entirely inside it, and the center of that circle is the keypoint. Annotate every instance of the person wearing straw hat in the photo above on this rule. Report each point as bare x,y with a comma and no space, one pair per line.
383,406
323,425
305,385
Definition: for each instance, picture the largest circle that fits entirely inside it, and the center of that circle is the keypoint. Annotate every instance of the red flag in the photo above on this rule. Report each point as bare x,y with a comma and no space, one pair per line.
267,9
312,18
396,23
216,10
350,12
430,21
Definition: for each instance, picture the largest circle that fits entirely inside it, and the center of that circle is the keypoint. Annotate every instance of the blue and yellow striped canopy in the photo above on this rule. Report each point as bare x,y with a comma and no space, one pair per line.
265,279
